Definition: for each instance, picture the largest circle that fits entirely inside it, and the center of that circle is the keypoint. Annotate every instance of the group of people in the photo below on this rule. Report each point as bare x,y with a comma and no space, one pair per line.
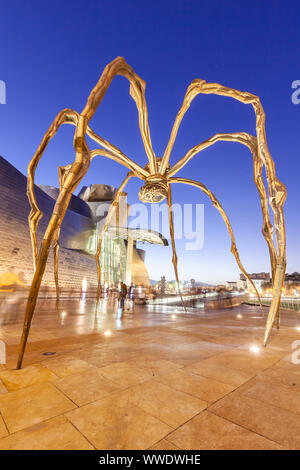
120,293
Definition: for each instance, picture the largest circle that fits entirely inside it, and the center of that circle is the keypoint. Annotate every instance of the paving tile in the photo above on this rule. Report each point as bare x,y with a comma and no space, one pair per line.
67,365
208,431
54,434
220,373
187,353
3,389
127,377
164,445
231,340
3,430
287,377
170,339
86,387
170,406
16,379
124,374
245,360
202,387
269,391
112,423
29,359
154,365
286,365
28,406
272,422
282,341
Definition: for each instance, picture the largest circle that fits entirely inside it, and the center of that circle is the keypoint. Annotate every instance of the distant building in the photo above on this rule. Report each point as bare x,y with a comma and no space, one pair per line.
263,275
231,285
292,278
241,285
257,278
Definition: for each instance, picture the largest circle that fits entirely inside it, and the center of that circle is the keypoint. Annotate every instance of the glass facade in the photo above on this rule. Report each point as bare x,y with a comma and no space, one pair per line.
113,258
113,261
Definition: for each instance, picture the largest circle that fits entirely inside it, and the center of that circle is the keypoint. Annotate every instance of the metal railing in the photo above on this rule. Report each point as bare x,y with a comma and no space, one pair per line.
176,298
289,303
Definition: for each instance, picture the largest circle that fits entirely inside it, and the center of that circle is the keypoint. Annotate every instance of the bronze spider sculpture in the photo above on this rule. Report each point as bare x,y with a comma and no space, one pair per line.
158,177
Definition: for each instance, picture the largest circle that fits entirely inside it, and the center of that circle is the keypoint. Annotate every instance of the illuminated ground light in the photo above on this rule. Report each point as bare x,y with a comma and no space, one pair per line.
63,314
173,316
239,316
298,328
254,348
107,333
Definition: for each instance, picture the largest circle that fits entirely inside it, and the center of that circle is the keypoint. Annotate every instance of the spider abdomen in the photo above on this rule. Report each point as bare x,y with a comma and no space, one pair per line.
153,192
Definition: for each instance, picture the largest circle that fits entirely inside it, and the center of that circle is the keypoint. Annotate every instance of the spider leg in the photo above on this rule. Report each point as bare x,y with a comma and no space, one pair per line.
128,163
108,219
250,142
71,179
68,116
113,152
218,206
71,175
65,116
277,257
116,153
55,252
277,190
174,257
137,91
275,305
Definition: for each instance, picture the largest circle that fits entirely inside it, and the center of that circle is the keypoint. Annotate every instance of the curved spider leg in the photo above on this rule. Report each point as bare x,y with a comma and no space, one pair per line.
275,305
174,257
71,179
218,206
138,171
113,152
277,190
65,116
250,142
108,219
75,172
55,252
61,172
137,91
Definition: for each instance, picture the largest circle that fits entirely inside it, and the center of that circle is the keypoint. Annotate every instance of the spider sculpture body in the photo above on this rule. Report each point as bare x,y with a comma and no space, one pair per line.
158,177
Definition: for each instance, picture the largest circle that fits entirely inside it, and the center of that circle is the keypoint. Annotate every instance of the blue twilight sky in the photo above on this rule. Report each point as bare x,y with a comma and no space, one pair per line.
52,54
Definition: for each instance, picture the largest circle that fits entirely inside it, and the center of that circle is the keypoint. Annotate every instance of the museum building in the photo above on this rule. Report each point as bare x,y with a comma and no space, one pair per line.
120,258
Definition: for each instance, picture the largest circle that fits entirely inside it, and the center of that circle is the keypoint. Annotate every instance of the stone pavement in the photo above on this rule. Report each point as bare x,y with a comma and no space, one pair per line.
157,379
